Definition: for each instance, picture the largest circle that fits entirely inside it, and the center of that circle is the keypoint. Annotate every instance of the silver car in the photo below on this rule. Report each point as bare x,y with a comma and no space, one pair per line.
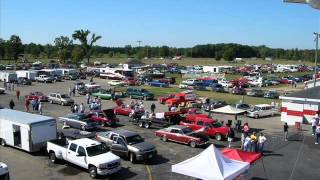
59,98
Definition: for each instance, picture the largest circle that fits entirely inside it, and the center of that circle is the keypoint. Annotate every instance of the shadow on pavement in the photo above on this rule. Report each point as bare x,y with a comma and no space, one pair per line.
124,173
158,159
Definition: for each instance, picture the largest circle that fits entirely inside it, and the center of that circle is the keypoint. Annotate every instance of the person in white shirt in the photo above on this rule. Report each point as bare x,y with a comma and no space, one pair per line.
261,140
314,123
82,109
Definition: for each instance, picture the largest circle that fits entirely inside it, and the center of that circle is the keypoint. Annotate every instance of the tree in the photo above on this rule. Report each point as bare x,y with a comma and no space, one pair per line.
86,45
2,48
49,51
64,45
77,55
15,47
228,54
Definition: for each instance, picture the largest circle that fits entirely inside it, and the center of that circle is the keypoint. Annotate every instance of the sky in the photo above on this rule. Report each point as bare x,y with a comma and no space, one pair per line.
179,23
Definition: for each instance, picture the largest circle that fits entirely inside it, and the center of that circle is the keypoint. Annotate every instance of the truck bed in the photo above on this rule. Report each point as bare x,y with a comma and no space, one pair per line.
60,142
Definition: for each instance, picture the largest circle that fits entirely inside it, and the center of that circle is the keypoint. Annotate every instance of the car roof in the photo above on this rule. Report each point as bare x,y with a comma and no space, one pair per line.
85,142
262,105
177,127
125,133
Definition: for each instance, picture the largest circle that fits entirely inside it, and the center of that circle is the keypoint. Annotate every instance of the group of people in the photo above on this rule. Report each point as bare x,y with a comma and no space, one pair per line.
36,105
8,86
75,108
315,128
253,142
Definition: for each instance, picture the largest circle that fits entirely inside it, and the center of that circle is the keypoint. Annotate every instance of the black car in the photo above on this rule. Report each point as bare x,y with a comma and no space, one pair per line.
216,87
271,95
256,93
213,104
238,91
23,81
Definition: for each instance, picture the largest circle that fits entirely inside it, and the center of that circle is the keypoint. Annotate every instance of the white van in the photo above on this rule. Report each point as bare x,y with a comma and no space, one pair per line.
262,110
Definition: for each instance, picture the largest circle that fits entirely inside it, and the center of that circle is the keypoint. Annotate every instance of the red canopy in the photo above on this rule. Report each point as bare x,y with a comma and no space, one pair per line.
239,155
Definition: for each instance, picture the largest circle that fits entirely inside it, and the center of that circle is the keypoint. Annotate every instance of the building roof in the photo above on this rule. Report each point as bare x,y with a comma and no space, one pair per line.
23,117
311,94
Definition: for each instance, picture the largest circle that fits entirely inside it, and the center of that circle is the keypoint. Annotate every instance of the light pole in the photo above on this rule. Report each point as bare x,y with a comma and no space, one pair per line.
316,57
139,42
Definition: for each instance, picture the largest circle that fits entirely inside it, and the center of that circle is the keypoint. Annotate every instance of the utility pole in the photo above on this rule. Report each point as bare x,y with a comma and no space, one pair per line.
139,42
316,57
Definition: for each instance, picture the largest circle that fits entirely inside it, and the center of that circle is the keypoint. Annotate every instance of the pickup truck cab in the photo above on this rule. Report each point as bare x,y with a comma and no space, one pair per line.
86,153
193,113
210,127
44,79
127,144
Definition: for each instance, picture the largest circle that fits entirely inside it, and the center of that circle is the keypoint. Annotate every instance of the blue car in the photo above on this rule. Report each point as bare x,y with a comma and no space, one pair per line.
158,84
217,87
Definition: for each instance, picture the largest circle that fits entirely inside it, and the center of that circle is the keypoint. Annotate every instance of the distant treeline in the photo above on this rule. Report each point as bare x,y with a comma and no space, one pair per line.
12,48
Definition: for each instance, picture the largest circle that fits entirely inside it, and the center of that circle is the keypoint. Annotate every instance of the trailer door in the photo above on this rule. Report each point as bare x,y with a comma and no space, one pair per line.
43,132
25,141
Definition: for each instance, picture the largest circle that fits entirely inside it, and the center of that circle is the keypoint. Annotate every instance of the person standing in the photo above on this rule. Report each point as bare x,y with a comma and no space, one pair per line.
82,109
153,108
27,104
247,144
18,94
230,136
314,123
70,91
88,98
40,108
317,135
262,139
254,141
285,130
74,91
246,129
33,104
11,104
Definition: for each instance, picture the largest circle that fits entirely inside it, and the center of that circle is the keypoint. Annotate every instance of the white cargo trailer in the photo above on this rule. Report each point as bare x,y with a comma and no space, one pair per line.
26,131
8,76
31,75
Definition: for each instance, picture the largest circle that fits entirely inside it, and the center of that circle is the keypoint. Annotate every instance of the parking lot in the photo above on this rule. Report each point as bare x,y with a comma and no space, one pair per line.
282,160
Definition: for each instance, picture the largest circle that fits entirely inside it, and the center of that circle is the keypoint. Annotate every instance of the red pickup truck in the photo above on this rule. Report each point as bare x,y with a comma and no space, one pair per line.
163,99
181,98
211,128
192,113
182,134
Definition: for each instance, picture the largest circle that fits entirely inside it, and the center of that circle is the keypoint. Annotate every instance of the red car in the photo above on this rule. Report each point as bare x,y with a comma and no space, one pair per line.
123,110
193,113
285,81
163,99
210,127
131,82
36,96
105,117
182,134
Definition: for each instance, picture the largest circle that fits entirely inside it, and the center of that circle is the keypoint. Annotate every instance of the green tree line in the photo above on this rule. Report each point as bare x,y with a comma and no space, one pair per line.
64,48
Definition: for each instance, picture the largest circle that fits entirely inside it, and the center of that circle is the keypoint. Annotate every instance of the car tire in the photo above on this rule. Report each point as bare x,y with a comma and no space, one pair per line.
192,144
52,157
83,128
141,124
218,137
93,172
164,138
3,142
132,158
147,125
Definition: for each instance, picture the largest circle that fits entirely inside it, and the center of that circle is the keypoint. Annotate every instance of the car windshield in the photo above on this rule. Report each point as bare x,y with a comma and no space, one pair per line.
186,130
96,150
134,139
256,108
64,96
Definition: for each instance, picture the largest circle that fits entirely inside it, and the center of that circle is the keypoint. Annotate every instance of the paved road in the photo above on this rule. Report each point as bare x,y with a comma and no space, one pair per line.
295,159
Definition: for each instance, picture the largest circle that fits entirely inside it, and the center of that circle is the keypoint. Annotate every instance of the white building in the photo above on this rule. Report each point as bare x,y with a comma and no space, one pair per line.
300,106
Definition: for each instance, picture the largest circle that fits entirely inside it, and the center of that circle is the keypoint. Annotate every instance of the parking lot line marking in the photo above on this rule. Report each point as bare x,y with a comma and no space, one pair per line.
149,172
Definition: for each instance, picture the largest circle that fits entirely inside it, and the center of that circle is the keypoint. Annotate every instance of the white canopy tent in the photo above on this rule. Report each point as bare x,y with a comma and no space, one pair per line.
229,110
211,165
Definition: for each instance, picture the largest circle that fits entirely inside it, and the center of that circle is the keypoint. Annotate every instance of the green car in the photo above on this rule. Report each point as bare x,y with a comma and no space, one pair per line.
105,94
139,94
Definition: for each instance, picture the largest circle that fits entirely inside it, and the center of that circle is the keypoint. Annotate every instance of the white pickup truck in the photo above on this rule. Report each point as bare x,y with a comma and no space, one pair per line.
86,153
44,78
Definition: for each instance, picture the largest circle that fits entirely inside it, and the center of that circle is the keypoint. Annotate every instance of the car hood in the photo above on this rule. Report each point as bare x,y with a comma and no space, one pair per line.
104,158
144,146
